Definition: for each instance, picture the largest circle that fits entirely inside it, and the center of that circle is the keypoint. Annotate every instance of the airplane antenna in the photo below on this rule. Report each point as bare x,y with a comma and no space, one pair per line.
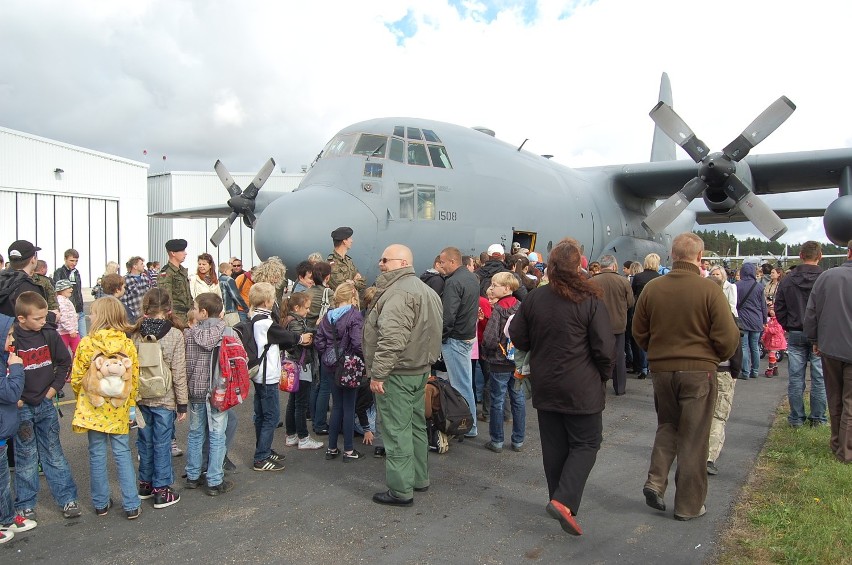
522,144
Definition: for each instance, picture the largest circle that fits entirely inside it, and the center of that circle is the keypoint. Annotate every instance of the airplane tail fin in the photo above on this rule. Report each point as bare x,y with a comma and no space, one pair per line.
662,147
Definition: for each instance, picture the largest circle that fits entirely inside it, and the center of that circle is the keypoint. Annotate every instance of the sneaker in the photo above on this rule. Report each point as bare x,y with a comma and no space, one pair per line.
491,446
228,465
6,536
133,514
331,453
517,447
176,451
105,510
268,464
27,513
195,483
355,455
164,497
275,456
310,443
768,373
775,370
321,432
20,524
71,510
291,441
379,452
712,469
442,441
145,490
221,488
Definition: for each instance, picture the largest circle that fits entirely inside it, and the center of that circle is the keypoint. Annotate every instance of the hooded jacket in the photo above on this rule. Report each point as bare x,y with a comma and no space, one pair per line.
791,298
751,305
106,418
350,330
72,275
11,385
12,284
46,362
491,268
200,341
492,337
828,315
433,280
174,355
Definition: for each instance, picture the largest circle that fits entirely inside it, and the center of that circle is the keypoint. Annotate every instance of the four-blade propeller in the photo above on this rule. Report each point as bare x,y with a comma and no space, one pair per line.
718,170
241,201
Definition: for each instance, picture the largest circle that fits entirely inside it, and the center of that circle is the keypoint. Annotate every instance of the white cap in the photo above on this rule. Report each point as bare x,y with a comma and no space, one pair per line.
496,249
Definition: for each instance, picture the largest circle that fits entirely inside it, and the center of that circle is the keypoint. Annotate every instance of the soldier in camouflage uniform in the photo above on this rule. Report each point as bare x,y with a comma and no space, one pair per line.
41,279
343,269
175,278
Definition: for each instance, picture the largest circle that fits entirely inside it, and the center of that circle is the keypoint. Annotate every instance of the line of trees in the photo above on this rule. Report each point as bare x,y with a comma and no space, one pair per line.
724,243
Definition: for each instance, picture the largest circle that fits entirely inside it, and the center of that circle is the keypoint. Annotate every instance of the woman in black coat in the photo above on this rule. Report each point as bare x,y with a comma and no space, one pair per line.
565,327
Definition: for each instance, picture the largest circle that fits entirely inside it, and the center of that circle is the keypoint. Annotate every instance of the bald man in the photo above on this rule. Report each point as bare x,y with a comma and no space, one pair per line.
402,338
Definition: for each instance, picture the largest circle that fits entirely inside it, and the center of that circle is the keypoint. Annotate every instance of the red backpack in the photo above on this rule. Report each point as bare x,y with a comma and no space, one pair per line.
229,375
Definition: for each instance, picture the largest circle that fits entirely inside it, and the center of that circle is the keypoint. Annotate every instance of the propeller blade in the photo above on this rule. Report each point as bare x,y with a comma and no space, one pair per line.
665,213
768,121
249,219
674,127
755,209
232,187
251,190
223,229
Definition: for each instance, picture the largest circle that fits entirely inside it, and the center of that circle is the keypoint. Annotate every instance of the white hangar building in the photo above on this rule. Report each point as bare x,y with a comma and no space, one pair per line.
59,196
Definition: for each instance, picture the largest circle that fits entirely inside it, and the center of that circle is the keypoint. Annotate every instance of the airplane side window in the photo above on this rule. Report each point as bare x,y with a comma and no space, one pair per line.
340,145
406,201
425,203
399,131
372,145
430,136
439,156
417,154
414,133
397,150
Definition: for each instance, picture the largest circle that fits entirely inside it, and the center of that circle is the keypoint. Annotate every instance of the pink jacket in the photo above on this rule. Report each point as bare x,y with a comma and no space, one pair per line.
773,336
67,322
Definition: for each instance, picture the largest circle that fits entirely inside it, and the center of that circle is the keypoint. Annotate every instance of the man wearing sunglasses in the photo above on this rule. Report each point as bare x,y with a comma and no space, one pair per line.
402,338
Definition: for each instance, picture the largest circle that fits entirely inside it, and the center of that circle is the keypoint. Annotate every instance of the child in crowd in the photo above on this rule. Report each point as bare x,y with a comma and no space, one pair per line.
67,321
104,414
46,363
204,420
270,337
11,387
773,341
295,418
154,441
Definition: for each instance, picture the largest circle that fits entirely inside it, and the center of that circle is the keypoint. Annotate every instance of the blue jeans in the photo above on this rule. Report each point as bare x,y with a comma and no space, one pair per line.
230,433
154,445
342,416
123,458
479,380
267,411
371,420
499,383
81,324
295,415
7,506
320,393
751,354
206,422
457,358
799,353
38,440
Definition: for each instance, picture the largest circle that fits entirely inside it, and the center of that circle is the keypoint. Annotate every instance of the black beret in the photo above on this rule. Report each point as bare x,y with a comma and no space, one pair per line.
341,233
176,245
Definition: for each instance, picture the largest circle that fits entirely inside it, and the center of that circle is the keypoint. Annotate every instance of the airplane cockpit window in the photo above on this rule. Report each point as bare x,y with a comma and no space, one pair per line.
399,131
430,136
372,145
397,150
417,154
416,202
340,145
439,156
414,133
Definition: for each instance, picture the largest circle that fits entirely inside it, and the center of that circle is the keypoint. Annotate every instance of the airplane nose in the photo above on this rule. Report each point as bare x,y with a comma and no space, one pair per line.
296,224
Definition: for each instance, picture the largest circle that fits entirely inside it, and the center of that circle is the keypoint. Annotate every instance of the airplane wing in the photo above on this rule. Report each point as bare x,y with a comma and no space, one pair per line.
769,174
215,211
707,217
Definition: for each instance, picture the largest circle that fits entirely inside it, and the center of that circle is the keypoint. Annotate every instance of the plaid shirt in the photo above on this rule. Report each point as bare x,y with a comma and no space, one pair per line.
135,287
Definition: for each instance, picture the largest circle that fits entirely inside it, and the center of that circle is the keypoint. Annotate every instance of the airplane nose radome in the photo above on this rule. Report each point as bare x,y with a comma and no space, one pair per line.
299,223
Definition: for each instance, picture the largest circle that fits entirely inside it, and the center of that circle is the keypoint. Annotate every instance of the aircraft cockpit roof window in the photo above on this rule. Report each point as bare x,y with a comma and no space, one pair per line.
399,131
430,136
372,145
414,133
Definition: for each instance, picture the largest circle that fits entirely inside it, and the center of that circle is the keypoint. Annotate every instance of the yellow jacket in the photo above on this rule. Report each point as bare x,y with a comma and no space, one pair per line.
106,417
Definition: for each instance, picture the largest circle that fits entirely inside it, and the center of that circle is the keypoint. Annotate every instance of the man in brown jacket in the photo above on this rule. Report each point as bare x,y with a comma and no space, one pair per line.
618,297
684,323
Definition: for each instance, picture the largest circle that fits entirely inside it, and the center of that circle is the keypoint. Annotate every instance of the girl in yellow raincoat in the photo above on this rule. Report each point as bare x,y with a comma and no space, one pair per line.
105,377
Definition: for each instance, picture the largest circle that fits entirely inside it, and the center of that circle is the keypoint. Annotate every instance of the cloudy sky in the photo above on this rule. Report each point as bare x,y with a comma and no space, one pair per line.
245,80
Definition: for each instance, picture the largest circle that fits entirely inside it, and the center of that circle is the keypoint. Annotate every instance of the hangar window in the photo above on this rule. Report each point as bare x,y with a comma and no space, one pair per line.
372,145
416,202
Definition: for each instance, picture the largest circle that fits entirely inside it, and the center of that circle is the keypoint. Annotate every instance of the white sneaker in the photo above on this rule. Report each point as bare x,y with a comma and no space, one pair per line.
176,451
309,443
443,442
292,441
20,524
6,536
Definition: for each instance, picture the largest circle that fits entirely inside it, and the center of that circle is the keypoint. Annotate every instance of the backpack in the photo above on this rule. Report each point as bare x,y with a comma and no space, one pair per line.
229,373
453,417
245,331
155,375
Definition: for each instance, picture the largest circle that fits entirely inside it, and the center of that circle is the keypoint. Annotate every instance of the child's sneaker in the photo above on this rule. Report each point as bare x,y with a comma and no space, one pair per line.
292,441
105,510
354,456
6,536
310,443
164,497
133,514
20,524
176,451
268,464
71,510
145,490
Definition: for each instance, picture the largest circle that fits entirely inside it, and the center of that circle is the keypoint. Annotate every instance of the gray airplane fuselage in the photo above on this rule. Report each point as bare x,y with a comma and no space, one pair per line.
468,190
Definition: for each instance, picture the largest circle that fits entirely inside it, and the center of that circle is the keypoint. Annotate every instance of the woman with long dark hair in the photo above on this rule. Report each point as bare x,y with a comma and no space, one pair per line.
204,279
565,327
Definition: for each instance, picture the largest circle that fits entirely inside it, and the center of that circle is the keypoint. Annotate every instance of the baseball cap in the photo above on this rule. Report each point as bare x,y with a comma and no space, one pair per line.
22,249
496,249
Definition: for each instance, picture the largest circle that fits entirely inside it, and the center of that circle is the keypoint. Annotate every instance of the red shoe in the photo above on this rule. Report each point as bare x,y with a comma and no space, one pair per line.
775,371
559,511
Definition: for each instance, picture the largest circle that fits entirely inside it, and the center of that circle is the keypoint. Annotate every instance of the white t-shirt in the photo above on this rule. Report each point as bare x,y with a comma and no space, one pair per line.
272,375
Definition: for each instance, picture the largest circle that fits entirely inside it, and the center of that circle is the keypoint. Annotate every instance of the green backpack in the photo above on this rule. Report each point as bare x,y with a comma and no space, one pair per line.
155,375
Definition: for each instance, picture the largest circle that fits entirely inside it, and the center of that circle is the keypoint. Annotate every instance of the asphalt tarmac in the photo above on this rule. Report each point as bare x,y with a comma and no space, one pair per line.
482,507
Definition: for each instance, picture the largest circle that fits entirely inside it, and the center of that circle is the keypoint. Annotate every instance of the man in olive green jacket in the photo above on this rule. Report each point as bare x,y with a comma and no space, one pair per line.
402,338
175,278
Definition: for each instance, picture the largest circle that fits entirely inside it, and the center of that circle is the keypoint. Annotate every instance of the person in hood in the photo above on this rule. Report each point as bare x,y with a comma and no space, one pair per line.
496,264
106,423
339,334
11,387
791,298
17,279
753,314
434,277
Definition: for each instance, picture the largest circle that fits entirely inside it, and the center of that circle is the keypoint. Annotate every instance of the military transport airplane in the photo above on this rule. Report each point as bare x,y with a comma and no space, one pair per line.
430,184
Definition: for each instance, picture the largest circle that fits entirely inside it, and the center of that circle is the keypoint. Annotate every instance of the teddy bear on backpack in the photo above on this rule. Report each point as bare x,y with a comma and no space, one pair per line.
109,378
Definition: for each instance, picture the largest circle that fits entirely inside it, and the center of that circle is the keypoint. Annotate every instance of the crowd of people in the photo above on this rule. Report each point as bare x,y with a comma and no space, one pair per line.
500,327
